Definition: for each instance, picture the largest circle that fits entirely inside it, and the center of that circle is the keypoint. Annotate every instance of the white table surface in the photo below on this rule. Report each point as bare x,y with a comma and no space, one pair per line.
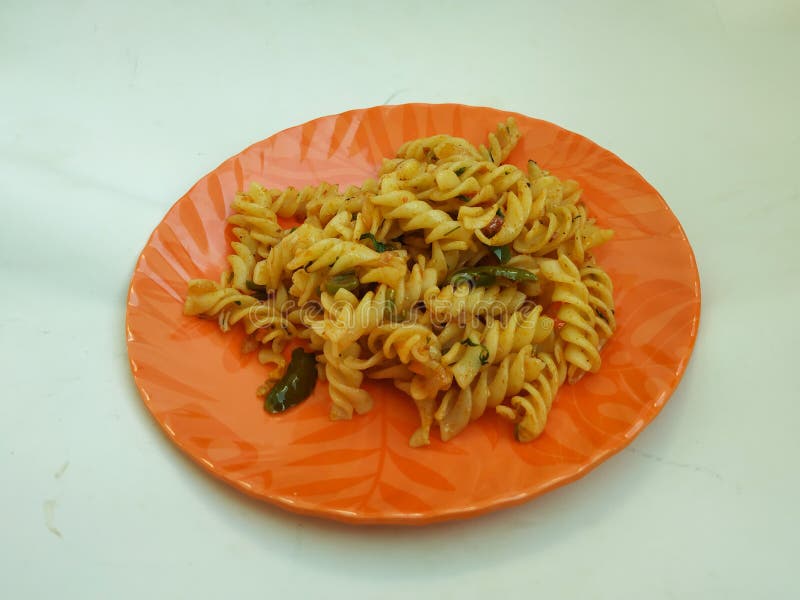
108,113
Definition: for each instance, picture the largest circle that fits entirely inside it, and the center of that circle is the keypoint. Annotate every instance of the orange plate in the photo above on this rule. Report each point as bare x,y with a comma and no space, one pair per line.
201,389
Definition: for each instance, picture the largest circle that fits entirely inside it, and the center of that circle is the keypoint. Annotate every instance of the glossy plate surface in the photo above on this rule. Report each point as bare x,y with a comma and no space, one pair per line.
201,389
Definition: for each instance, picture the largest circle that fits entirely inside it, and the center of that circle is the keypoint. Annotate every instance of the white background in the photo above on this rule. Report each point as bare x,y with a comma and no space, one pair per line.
108,113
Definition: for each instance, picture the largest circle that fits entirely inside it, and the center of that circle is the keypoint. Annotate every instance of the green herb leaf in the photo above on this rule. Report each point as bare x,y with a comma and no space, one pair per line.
499,213
464,198
460,171
379,246
484,356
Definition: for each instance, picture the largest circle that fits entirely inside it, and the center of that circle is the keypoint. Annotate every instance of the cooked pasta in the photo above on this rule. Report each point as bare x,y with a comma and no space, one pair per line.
465,281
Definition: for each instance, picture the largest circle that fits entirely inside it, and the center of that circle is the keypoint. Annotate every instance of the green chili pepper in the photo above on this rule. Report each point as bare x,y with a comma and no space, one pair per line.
346,280
503,253
486,275
379,246
296,384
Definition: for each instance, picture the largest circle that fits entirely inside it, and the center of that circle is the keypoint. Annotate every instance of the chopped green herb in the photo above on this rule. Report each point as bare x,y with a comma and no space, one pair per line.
484,356
464,198
293,229
456,228
460,171
500,214
237,302
379,246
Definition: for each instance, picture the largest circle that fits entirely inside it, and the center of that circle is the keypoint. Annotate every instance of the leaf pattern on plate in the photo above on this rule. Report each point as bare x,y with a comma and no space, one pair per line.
202,391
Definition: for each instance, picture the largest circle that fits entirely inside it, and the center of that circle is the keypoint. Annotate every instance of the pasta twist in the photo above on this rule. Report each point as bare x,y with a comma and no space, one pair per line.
335,255
257,219
285,203
437,224
344,382
348,317
489,344
555,191
271,271
460,406
581,339
502,141
408,290
434,148
531,408
462,302
601,300
559,225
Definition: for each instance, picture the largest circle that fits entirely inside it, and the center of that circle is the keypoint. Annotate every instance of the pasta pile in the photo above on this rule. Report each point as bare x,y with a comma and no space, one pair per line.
466,282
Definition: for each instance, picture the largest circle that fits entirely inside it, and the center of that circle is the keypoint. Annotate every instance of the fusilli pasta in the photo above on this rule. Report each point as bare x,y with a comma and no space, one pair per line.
466,281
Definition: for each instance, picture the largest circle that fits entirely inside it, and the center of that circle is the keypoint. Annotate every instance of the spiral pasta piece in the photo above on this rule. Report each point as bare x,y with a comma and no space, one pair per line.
434,148
344,382
460,406
559,225
530,409
270,271
581,339
502,141
462,302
